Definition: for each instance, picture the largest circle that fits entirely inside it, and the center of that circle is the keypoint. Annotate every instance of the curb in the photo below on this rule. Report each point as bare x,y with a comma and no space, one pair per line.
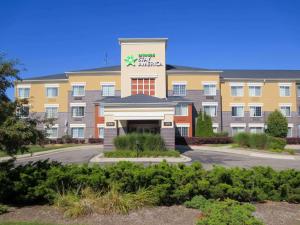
100,159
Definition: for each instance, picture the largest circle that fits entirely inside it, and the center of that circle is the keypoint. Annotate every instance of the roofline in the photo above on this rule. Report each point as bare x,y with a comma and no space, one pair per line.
275,79
138,104
92,72
132,40
22,81
194,71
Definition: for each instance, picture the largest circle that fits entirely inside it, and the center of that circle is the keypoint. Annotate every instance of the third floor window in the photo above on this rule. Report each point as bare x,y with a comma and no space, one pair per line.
23,92
209,89
51,92
78,90
179,89
254,91
285,91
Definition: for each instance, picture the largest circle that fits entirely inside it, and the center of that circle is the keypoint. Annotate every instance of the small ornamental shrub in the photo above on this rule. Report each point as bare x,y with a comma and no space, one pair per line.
242,139
276,143
258,141
204,126
277,125
3,209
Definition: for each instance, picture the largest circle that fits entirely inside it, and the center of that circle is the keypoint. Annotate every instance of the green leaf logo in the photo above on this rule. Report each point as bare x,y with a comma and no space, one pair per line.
130,60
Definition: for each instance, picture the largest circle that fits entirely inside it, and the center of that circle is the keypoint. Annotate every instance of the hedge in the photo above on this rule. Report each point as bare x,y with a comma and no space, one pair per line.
201,141
293,141
74,141
174,184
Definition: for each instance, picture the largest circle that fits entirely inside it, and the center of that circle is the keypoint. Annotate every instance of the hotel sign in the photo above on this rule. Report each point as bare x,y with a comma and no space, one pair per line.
142,60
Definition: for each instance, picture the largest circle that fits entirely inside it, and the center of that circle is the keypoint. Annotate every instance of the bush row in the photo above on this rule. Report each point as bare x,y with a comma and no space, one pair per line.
259,141
201,141
73,141
173,184
293,141
141,142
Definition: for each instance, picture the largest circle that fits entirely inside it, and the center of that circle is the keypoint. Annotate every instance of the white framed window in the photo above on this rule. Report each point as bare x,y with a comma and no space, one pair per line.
254,91
51,92
108,89
78,89
100,130
78,111
77,132
182,130
100,110
23,92
179,89
285,89
23,111
237,111
210,108
299,130
237,89
51,112
209,88
215,127
298,110
290,130
256,130
255,111
181,109
52,132
285,110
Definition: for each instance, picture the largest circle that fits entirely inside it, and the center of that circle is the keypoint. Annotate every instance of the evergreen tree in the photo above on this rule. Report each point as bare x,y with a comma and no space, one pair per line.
277,124
204,125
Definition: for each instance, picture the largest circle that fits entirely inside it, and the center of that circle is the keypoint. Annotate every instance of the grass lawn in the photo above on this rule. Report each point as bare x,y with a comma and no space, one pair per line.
133,154
38,148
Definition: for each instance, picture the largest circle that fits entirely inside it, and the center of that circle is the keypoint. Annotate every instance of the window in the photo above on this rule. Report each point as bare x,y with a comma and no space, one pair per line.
210,89
77,111
215,127
236,130
254,91
255,111
23,92
237,111
285,110
285,91
290,131
298,90
256,130
101,110
182,131
77,132
52,132
299,111
51,92
51,112
144,86
101,132
23,111
298,130
108,90
179,89
237,91
78,90
181,110
210,110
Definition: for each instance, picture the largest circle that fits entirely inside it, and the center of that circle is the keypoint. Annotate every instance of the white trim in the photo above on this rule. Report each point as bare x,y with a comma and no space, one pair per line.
256,125
209,83
78,104
78,84
182,124
255,84
285,84
75,125
51,85
285,104
209,103
256,104
23,86
215,125
107,83
52,126
237,84
179,82
237,104
100,125
291,125
143,76
51,105
238,125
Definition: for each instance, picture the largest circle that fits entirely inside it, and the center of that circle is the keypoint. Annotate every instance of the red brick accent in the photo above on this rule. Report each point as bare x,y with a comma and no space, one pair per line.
186,119
98,120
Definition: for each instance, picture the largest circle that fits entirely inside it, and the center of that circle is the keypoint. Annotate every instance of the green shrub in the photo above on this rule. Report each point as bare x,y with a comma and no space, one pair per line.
204,126
221,134
277,124
223,212
3,209
276,143
142,142
258,141
146,153
242,139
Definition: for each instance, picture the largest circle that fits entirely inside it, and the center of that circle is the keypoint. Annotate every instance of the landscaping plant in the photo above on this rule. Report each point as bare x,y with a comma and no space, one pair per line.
277,125
204,125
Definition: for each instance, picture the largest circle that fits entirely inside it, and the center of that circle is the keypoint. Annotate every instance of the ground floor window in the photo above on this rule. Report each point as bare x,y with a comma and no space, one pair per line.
101,132
52,132
77,132
210,110
256,130
182,131
290,132
236,130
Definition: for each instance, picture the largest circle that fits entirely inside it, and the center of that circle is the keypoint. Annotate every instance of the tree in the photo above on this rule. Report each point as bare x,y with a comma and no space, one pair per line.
277,124
204,125
16,133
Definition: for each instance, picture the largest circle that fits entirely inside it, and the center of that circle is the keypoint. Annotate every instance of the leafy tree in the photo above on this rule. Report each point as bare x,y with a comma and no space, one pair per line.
204,126
15,133
277,124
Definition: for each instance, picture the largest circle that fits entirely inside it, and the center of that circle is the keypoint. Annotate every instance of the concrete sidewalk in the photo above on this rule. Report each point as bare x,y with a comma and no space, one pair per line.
240,151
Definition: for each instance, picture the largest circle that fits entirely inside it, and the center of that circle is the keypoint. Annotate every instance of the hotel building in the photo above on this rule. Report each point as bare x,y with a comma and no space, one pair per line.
145,94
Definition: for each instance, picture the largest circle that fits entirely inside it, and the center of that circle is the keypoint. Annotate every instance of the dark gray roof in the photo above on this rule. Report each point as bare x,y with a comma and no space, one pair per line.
107,68
261,74
49,77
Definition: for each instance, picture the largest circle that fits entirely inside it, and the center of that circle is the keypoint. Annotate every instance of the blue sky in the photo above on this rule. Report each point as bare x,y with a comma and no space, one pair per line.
51,37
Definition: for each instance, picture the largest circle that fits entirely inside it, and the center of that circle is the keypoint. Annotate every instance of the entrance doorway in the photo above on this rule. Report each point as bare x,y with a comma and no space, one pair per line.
143,126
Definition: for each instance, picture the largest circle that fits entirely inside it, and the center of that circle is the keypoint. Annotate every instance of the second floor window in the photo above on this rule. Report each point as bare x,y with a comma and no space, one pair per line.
181,110
51,112
210,110
285,91
254,91
237,91
285,110
23,92
108,90
78,90
255,111
237,111
179,89
77,111
210,89
51,92
145,86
